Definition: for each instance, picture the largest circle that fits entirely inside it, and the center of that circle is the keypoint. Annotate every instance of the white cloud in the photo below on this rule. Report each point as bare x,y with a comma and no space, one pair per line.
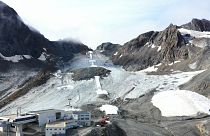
94,21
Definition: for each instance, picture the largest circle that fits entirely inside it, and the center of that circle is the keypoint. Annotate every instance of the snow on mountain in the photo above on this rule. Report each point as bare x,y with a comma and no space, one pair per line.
109,109
15,58
197,38
42,57
10,81
195,34
181,103
120,83
193,65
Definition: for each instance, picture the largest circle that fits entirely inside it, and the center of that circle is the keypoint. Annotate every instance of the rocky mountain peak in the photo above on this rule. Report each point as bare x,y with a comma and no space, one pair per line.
141,40
108,48
19,42
152,48
170,41
198,25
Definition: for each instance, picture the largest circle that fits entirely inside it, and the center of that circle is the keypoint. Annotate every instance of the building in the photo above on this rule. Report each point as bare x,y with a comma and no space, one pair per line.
47,116
55,128
53,121
84,118
72,121
15,123
60,127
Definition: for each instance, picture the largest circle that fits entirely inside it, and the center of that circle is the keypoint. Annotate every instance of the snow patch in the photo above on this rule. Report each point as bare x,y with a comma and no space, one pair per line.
99,91
115,53
158,64
44,49
98,86
15,58
174,62
159,48
150,69
58,74
147,44
153,46
196,34
97,80
42,56
193,65
27,56
109,109
181,103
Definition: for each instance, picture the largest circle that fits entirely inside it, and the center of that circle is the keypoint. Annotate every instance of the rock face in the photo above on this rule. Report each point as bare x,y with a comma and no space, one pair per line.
66,49
16,38
152,48
198,25
108,48
88,73
199,84
109,130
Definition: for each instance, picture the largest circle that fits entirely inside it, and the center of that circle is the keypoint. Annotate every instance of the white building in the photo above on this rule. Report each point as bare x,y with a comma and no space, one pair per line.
60,127
84,118
47,116
55,128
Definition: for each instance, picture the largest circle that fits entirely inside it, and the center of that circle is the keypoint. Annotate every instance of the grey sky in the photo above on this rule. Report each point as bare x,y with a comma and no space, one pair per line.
95,21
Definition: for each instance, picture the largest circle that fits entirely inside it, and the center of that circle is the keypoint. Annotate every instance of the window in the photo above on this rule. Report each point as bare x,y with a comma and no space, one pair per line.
58,115
82,118
47,128
55,129
86,118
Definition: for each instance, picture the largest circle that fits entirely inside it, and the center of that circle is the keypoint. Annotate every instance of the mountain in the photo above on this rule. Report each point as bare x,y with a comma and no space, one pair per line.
185,48
19,43
198,25
108,48
175,43
27,58
152,48
145,78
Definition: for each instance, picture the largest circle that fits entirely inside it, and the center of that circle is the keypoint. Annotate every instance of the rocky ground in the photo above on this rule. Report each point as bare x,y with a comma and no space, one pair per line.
138,117
199,84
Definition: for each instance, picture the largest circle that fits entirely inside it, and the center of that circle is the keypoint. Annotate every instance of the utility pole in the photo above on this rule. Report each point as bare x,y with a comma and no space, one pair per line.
78,94
18,111
69,102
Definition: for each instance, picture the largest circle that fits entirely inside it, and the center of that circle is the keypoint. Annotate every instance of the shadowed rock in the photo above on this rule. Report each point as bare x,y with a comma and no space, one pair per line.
88,73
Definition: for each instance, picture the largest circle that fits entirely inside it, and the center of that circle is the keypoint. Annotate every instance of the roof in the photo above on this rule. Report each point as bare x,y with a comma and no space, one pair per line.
56,124
81,112
44,111
12,116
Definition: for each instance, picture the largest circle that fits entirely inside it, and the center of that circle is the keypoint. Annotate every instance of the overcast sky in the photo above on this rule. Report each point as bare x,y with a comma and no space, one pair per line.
95,21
